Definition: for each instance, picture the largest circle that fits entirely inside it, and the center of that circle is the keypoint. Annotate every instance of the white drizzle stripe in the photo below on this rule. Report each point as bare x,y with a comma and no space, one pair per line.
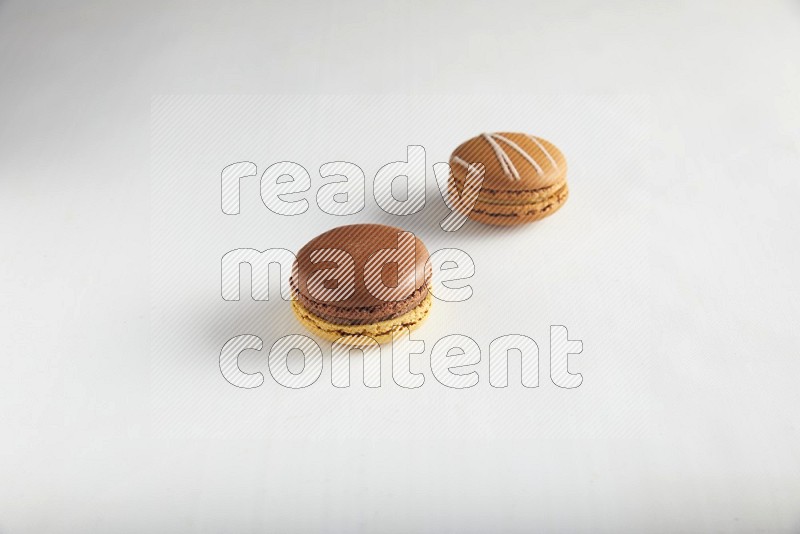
461,162
511,165
521,152
509,162
546,153
502,157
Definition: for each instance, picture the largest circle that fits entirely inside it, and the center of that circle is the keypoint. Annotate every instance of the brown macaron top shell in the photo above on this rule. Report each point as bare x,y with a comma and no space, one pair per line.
512,162
362,241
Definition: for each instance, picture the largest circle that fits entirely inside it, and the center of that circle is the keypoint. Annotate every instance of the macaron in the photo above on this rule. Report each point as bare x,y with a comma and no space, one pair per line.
361,280
525,177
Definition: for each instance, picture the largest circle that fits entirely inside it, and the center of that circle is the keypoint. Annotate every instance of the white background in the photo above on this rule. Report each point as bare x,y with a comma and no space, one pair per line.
673,261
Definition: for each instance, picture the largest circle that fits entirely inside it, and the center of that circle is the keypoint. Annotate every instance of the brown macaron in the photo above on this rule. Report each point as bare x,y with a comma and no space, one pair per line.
361,280
525,177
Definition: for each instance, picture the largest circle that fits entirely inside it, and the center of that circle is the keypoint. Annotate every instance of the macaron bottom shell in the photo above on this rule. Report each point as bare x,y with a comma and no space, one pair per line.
380,332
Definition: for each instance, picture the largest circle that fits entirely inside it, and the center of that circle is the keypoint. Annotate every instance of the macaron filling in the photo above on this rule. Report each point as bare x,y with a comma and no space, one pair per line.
520,203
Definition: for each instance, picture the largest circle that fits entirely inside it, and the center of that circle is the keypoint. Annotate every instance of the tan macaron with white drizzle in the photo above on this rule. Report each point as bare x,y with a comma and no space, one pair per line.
525,177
